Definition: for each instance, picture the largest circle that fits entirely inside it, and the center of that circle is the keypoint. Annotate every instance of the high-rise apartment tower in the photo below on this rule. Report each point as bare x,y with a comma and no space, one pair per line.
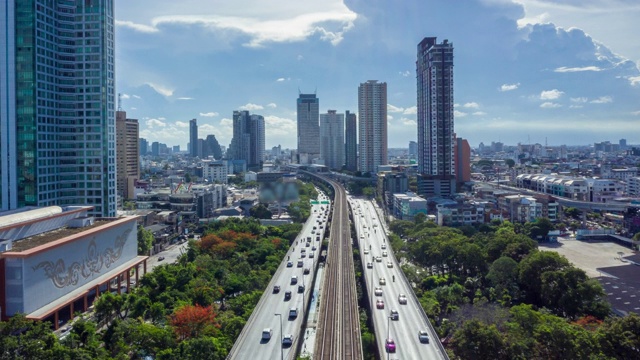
57,114
332,139
372,109
127,154
351,141
193,138
308,128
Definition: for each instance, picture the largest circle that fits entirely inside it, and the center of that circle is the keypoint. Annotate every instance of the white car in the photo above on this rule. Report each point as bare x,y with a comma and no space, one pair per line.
384,253
369,265
423,336
402,299
378,291
384,246
389,264
366,252
383,281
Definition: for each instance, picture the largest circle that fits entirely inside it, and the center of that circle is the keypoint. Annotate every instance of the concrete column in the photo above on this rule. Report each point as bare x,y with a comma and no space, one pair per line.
55,320
71,309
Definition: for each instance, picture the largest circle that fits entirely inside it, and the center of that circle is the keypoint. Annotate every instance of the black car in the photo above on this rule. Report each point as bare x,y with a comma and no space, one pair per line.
276,289
287,295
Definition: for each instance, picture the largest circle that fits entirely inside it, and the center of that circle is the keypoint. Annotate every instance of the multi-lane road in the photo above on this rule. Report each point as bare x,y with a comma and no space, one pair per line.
250,344
379,263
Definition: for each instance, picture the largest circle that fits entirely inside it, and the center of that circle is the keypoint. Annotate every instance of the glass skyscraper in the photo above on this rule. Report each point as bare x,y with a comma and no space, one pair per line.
308,107
57,104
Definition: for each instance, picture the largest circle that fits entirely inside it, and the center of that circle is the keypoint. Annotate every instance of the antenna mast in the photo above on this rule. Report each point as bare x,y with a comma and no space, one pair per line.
119,101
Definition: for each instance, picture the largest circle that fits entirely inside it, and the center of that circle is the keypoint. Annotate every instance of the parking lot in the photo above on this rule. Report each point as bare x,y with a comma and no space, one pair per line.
589,255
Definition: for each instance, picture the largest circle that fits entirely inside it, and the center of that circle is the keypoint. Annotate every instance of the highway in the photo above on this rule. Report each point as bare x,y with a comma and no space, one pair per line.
411,318
250,344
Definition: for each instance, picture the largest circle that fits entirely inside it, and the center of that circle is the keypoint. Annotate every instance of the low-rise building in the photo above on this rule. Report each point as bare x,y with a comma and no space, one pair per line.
459,214
406,206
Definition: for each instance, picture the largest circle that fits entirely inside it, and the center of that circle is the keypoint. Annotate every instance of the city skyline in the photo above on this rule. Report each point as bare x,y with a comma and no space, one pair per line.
514,81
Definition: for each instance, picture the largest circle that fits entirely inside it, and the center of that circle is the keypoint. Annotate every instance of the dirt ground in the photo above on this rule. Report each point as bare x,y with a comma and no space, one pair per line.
589,255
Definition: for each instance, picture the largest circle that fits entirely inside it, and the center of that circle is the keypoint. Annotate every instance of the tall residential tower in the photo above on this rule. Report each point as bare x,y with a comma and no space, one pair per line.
372,109
193,138
351,141
57,114
248,140
332,139
127,155
308,128
436,138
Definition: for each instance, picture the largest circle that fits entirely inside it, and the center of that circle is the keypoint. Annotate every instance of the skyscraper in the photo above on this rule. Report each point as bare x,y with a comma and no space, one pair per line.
127,154
248,140
413,149
144,146
372,109
436,138
193,138
332,139
57,116
351,141
308,129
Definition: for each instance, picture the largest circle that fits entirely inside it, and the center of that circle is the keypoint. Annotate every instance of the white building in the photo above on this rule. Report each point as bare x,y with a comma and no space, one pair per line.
332,139
215,171
633,187
372,128
408,205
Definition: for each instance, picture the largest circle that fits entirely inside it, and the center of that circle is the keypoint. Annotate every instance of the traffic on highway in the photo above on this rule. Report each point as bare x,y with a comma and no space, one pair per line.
273,329
402,329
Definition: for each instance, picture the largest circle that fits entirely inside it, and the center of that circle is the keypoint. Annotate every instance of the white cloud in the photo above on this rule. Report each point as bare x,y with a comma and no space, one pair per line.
573,106
182,124
408,122
634,80
209,114
329,21
550,94
251,107
550,105
161,89
602,100
579,100
279,126
151,123
636,113
137,27
124,96
479,113
300,57
459,114
456,105
564,69
185,98
509,87
283,79
272,105
471,105
411,110
394,109
162,118
405,73
389,117
134,108
136,96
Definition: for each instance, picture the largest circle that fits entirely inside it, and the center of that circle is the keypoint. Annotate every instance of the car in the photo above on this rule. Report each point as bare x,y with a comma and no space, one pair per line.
266,334
384,246
369,265
380,304
389,264
300,288
306,271
395,315
423,336
312,255
308,244
402,299
317,238
314,248
313,231
303,255
314,228
289,263
384,253
366,252
378,259
161,258
287,340
383,281
293,313
294,279
390,345
378,291
300,263
276,289
287,295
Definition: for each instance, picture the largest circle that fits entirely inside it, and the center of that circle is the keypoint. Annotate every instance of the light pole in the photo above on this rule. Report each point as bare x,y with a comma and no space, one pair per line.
281,350
388,335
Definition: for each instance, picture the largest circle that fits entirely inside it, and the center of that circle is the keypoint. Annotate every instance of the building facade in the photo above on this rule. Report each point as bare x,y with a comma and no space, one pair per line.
144,146
193,137
351,141
462,161
332,139
57,114
127,154
248,140
407,206
372,109
436,138
308,107
215,172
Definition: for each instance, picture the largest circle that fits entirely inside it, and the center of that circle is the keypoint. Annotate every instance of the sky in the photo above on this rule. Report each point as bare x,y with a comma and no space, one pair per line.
525,71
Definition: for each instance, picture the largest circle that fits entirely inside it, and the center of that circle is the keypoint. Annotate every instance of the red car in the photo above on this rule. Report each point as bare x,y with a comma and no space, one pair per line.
380,304
390,345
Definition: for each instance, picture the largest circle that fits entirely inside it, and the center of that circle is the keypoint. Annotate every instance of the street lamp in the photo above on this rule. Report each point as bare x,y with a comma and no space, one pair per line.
281,350
388,335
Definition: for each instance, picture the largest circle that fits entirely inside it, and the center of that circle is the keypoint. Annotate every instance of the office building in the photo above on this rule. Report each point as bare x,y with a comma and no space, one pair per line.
462,161
127,155
332,139
436,138
144,146
413,149
248,140
351,141
308,108
212,148
372,109
57,113
193,137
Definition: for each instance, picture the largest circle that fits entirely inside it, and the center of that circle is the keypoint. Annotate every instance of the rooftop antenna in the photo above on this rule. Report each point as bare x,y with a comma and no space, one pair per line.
119,101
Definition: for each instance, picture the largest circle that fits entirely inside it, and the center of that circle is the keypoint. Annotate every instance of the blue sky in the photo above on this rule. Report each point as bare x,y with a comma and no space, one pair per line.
564,71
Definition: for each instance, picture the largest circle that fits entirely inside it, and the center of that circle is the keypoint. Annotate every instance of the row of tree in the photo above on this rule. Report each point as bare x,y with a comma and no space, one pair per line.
494,295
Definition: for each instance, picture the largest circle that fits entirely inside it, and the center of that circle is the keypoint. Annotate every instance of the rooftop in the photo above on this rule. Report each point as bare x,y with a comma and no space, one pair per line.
49,236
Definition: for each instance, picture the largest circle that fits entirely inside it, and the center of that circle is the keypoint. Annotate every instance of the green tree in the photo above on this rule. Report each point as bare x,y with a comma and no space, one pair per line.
531,270
570,293
476,340
260,211
503,275
619,337
510,163
145,240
